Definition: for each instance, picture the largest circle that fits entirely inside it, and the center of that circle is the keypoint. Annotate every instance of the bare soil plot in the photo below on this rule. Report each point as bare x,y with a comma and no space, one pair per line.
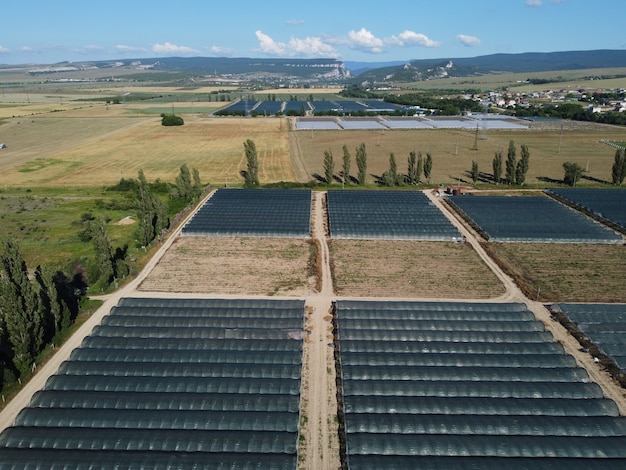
241,266
452,152
411,269
564,272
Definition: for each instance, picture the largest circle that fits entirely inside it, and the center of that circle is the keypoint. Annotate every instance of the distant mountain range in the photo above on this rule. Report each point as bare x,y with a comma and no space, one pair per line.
321,70
424,69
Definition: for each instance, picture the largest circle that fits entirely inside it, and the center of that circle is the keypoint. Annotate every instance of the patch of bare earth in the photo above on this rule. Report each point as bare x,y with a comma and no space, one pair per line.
564,272
242,266
411,269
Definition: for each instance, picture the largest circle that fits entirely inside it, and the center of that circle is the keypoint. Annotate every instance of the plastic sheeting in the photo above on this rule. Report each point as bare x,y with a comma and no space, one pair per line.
531,219
604,324
515,425
490,446
184,368
459,388
70,459
171,440
606,203
162,419
103,383
387,215
164,401
253,212
454,385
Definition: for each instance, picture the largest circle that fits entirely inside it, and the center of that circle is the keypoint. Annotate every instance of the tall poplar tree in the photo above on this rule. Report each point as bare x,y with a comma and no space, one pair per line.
361,163
510,163
428,166
346,165
496,165
618,171
329,166
252,173
522,166
20,311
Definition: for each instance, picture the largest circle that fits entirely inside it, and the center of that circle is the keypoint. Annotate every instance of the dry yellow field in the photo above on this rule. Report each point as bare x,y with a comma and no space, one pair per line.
452,152
98,147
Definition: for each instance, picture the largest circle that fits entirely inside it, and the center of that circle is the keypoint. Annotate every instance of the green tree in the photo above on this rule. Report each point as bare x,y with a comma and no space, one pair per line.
510,163
428,167
252,173
171,120
184,188
197,183
393,170
522,166
573,172
329,166
20,310
618,172
151,213
346,165
474,171
361,162
420,168
496,164
103,250
411,174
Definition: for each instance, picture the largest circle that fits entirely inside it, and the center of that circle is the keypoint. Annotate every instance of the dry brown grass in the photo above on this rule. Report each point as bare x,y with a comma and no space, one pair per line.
240,266
564,272
578,143
100,150
411,269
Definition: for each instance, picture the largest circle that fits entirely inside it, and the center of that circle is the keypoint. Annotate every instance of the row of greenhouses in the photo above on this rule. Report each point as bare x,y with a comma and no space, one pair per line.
604,324
607,204
145,390
408,215
425,386
536,219
250,212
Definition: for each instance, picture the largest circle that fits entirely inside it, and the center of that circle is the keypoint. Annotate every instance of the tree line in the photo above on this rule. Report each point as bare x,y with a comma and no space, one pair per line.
38,306
416,165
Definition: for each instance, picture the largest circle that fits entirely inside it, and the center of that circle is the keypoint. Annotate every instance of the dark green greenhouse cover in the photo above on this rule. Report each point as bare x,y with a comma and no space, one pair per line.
608,204
401,215
254,212
604,324
426,386
531,219
171,383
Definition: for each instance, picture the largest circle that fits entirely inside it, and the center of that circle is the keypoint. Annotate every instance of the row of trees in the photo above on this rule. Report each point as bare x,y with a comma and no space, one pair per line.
33,310
391,177
361,163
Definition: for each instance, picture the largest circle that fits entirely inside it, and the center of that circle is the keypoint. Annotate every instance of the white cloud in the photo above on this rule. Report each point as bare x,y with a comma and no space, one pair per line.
221,50
294,22
411,38
169,48
128,49
3,50
469,41
534,3
364,40
306,47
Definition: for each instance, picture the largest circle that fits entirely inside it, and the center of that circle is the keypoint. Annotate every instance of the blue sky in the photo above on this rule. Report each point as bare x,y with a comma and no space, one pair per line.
45,31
